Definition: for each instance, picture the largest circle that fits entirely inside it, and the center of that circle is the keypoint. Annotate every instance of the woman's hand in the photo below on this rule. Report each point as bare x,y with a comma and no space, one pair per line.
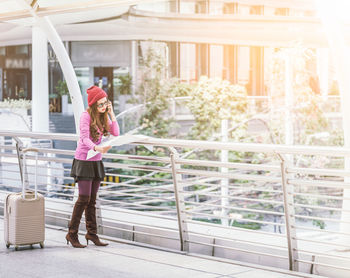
110,108
111,111
102,149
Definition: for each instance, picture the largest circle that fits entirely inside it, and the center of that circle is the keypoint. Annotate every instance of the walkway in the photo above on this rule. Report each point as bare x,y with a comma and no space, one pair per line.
116,260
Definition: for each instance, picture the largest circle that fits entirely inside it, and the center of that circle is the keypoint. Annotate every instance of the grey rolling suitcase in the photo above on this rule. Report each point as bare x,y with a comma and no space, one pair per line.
24,213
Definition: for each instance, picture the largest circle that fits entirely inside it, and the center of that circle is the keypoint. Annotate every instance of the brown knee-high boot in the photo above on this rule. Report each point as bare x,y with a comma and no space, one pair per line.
78,210
91,225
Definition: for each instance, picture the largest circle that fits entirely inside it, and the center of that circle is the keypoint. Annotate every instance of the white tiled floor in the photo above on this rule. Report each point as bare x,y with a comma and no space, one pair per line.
116,260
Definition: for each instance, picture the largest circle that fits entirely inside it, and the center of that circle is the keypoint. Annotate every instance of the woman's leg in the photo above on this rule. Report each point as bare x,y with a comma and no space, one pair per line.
85,187
90,216
79,207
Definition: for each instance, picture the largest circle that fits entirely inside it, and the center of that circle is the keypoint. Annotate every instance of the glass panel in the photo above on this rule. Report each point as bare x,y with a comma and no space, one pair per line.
243,65
216,61
21,49
121,87
83,76
187,62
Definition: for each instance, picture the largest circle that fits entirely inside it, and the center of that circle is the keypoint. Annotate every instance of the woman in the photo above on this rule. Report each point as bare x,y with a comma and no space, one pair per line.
88,173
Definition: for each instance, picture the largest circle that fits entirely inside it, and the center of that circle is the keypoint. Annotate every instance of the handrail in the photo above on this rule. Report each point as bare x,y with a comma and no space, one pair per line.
186,192
210,145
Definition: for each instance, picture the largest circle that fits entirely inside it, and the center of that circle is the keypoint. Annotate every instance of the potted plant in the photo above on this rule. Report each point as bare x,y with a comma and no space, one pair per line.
62,90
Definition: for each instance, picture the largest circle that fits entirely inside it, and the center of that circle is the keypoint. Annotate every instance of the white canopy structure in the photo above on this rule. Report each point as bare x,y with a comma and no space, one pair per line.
120,20
23,22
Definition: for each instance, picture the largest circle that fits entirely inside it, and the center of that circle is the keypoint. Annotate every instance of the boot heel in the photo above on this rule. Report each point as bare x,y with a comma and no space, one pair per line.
67,242
87,242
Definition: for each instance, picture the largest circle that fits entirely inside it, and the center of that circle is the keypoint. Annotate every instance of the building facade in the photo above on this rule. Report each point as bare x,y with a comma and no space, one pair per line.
105,61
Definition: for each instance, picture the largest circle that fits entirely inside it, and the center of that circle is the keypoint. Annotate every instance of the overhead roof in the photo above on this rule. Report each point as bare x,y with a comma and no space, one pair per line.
78,20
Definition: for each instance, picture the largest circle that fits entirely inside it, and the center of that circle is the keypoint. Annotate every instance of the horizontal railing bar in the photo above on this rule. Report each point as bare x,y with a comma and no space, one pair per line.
105,202
318,183
237,187
325,255
57,193
106,164
44,150
40,175
50,167
137,157
228,175
43,184
322,172
320,207
164,229
322,242
62,218
40,158
238,249
212,188
235,208
140,177
252,188
11,179
137,167
138,187
321,218
235,240
235,198
213,145
136,232
321,196
231,218
142,196
242,166
321,230
47,198
322,264
148,214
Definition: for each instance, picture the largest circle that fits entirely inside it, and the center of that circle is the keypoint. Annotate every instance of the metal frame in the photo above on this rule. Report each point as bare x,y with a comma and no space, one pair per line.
138,199
180,201
289,214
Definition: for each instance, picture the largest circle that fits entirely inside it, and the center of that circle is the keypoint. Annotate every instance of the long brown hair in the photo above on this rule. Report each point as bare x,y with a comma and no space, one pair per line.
99,120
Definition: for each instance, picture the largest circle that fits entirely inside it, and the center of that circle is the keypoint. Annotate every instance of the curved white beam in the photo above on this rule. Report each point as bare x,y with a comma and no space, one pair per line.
50,32
66,66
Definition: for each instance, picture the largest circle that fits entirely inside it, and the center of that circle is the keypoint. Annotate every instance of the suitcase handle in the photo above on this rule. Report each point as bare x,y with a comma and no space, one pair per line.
36,171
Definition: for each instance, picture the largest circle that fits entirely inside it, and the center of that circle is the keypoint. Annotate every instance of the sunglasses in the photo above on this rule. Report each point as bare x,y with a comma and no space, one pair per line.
102,104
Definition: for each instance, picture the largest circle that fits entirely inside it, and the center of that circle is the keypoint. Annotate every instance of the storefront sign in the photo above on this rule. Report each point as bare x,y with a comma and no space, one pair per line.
17,63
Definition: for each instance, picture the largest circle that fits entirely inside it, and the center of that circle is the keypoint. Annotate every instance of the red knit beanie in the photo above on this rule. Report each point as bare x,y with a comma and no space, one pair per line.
94,94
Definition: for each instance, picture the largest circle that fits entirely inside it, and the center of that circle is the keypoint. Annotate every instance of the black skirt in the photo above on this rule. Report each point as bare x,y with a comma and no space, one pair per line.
87,170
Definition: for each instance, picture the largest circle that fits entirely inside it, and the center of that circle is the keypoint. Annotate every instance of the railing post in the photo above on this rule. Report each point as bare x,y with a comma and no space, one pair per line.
289,214
19,147
180,202
99,216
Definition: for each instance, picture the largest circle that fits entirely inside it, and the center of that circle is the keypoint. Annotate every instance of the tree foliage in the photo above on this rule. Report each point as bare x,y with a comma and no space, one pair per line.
213,100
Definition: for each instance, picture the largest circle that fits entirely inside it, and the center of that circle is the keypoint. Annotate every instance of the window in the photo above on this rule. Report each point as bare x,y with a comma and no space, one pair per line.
194,6
21,49
281,11
187,62
216,61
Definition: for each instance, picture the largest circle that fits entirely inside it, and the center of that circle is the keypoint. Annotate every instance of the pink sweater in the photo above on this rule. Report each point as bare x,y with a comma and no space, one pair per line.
85,141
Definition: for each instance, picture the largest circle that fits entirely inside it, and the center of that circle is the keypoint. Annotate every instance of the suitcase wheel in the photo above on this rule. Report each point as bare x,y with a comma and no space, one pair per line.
41,244
16,248
7,245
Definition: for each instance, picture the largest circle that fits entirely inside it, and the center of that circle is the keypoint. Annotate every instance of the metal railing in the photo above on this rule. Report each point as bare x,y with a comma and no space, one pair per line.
276,212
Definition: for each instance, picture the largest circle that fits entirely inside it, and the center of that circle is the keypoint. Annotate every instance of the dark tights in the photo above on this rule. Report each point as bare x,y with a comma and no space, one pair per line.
87,187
